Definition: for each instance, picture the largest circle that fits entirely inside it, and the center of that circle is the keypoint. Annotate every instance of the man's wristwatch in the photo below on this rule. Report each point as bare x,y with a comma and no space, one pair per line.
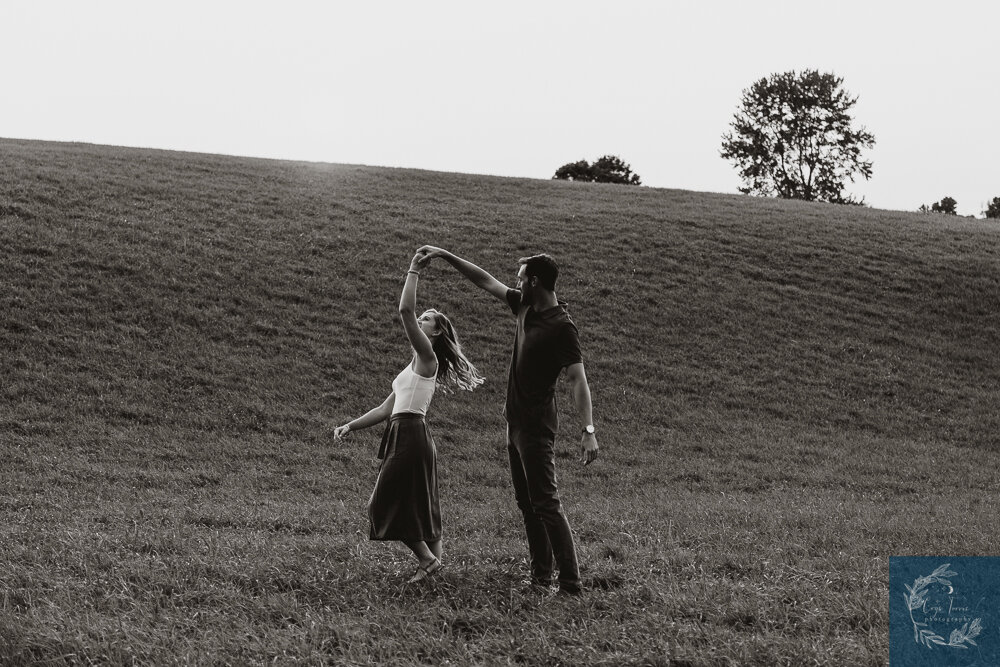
588,429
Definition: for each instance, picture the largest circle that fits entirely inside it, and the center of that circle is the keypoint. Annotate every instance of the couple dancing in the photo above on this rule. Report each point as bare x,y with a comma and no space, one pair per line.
404,504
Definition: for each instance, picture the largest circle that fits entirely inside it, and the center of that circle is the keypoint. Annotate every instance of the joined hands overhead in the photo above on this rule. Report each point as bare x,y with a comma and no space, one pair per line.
420,261
430,252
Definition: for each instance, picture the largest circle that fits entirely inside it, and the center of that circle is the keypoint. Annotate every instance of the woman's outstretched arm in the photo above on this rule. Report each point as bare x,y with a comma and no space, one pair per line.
370,418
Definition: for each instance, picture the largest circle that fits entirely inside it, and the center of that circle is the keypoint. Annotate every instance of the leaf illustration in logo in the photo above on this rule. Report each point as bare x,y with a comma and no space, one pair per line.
974,630
942,571
917,600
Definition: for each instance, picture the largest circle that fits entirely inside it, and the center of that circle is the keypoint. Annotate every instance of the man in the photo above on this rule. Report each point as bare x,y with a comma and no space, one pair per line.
546,342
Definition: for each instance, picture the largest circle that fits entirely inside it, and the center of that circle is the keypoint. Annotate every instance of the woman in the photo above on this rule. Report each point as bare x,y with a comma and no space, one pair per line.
404,505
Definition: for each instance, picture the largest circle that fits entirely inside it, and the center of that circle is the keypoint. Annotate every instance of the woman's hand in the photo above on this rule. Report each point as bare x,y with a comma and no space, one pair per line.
419,261
432,251
340,432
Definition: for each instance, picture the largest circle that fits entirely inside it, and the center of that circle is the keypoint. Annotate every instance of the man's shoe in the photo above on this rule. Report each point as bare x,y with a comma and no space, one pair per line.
570,589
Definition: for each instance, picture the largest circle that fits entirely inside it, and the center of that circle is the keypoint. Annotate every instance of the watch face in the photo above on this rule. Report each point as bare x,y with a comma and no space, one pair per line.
589,429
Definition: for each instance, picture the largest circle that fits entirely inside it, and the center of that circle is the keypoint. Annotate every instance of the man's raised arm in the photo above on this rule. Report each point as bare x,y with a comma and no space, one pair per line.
477,276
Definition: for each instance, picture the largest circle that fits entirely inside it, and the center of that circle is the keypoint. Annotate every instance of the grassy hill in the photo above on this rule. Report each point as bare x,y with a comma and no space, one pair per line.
786,394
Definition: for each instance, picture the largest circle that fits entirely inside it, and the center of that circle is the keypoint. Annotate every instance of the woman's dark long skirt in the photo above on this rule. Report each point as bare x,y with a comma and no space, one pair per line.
404,505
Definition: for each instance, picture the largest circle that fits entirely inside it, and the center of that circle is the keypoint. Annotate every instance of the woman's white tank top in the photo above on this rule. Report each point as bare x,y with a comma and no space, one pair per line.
413,392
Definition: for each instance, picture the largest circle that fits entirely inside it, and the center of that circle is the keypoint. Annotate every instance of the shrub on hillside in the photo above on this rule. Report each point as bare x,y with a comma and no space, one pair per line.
575,171
946,205
607,169
993,209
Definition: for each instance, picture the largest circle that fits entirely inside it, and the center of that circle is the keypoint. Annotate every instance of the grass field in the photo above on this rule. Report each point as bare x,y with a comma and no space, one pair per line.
786,394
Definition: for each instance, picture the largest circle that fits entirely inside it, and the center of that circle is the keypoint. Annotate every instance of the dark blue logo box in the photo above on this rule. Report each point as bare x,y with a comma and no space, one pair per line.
943,611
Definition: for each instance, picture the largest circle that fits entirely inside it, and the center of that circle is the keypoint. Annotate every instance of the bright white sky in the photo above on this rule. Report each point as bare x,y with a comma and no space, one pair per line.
514,88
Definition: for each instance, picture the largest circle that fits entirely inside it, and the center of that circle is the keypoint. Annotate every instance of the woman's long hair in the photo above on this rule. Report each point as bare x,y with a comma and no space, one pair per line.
454,369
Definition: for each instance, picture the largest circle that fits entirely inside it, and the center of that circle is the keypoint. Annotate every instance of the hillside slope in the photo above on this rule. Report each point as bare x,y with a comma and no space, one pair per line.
158,287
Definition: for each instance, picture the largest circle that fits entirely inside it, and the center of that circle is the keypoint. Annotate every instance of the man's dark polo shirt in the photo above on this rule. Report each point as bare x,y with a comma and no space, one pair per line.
545,343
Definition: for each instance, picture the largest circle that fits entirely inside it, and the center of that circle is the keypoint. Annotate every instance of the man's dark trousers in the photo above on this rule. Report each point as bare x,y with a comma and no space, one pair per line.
533,472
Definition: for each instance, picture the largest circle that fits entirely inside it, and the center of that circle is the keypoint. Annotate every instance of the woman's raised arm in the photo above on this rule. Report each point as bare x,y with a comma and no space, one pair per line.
408,314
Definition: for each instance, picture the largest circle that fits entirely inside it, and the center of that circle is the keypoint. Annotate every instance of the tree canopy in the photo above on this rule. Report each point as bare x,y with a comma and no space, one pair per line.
792,137
607,169
947,205
993,209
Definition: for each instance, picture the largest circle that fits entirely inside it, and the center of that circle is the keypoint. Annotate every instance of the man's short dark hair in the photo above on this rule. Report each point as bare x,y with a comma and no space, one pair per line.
542,267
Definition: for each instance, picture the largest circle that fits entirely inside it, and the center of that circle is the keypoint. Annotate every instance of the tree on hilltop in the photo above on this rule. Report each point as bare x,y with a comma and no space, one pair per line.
993,209
575,171
792,137
947,205
607,169
611,169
